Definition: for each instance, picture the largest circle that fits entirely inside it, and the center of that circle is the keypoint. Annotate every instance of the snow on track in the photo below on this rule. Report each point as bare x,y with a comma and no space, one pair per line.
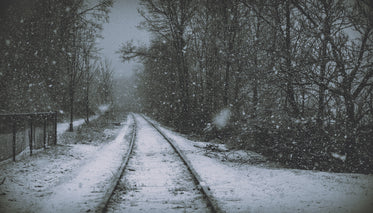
254,188
86,190
156,180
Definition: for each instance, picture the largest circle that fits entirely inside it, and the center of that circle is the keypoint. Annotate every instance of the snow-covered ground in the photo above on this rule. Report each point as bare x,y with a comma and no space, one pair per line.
84,192
72,177
241,186
68,177
63,127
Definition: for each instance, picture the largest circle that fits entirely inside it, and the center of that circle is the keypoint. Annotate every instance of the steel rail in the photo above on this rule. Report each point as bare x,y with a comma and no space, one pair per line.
102,207
211,201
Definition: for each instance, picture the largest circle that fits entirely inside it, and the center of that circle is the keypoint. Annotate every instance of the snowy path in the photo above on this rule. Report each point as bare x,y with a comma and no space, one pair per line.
63,127
156,180
64,178
258,188
85,191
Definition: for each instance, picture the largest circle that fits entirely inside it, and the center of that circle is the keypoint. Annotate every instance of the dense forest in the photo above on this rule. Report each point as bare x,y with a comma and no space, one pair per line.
293,78
49,57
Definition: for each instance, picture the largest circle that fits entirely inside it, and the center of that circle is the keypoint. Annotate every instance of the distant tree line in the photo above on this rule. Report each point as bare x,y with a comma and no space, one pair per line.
297,76
49,59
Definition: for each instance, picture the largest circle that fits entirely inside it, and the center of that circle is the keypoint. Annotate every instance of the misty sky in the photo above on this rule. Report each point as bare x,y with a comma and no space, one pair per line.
121,28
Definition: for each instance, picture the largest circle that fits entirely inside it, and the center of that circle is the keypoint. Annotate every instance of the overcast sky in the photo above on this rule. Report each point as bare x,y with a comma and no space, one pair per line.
121,28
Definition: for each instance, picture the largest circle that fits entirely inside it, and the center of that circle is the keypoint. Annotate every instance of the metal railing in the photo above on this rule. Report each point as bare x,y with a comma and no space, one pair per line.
22,131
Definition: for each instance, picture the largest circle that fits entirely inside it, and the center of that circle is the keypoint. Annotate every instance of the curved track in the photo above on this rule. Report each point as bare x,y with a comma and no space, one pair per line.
157,177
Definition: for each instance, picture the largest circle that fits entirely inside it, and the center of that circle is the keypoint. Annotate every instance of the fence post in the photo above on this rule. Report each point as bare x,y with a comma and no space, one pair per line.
31,135
55,127
14,139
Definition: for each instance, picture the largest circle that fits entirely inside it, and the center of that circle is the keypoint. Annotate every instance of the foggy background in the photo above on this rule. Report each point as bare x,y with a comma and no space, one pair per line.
122,26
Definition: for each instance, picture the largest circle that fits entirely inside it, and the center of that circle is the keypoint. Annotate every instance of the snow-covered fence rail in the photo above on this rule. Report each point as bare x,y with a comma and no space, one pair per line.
26,131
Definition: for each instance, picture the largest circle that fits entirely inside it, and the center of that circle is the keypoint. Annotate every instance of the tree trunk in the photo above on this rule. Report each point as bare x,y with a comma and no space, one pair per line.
289,71
226,84
87,104
72,82
184,121
71,129
323,62
87,87
351,132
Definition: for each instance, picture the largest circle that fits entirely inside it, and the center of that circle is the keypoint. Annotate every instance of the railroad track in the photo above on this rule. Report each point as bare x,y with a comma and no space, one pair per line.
157,177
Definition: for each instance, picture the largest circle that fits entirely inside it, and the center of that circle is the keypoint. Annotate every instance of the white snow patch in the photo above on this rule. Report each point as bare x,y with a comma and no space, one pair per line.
63,127
104,108
338,156
222,118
